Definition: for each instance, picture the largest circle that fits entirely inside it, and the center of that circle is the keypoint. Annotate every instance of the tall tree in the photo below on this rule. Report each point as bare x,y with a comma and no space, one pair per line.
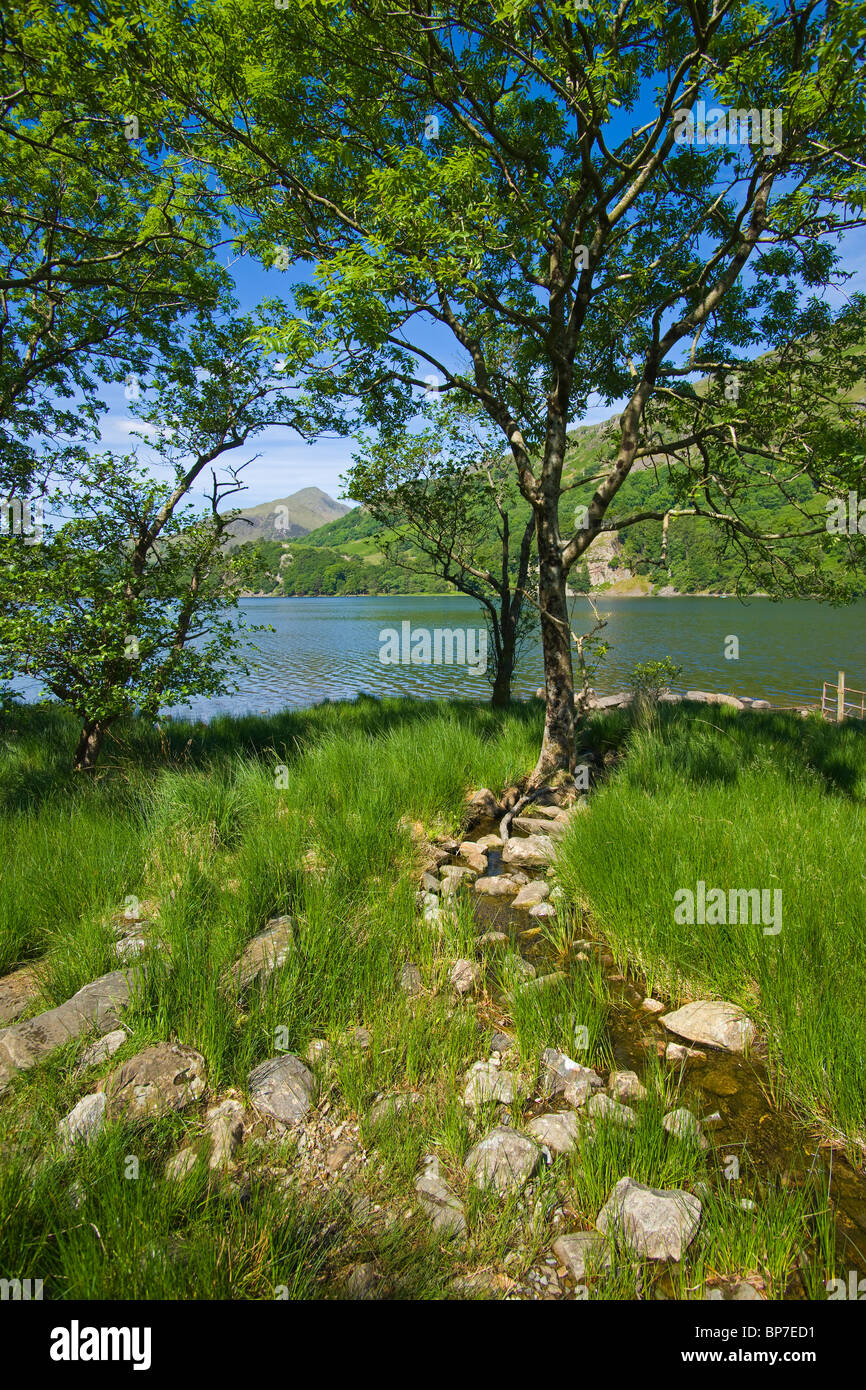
545,187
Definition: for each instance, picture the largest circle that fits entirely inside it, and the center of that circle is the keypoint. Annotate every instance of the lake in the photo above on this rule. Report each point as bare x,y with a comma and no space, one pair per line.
330,648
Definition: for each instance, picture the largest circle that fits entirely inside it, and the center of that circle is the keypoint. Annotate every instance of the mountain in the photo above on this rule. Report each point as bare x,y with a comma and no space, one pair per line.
286,518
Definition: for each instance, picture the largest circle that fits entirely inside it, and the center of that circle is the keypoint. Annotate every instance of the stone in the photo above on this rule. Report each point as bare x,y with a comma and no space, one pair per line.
504,1159
497,886
457,871
711,697
501,1042
473,856
713,1023
283,1087
181,1164
601,1107
488,1084
542,910
84,1122
678,1052
339,1156
17,992
129,947
653,1006
531,894
683,1125
519,968
528,825
584,1253
93,1007
542,982
438,1201
562,1076
429,884
484,804
318,1052
226,1125
101,1050
557,1131
534,852
264,954
626,1085
157,1081
362,1282
464,977
410,979
655,1224
454,885
359,1038
493,940
488,842
390,1106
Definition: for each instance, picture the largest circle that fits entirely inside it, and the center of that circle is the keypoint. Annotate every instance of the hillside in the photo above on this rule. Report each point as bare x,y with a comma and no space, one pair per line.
286,518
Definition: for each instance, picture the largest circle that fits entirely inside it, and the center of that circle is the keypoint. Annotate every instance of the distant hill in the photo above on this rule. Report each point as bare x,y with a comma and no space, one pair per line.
286,518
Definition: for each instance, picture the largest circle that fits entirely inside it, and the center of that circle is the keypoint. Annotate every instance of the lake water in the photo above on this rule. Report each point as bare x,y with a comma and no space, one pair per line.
330,648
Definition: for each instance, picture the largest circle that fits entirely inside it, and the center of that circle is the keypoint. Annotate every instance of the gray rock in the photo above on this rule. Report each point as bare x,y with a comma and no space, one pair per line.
472,855
226,1125
528,825
562,1076
157,1081
711,697
429,884
584,1254
653,1006
488,842
503,1159
678,1052
487,1083
497,886
264,954
101,1050
683,1125
626,1085
653,1223
533,852
438,1201
558,1131
94,1007
712,1023
450,872
465,977
181,1164
533,893
84,1121
17,992
410,979
501,1042
363,1282
484,804
283,1087
493,941
542,910
601,1107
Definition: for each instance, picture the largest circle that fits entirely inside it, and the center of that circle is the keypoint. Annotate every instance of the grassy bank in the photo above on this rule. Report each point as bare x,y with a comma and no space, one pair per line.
217,829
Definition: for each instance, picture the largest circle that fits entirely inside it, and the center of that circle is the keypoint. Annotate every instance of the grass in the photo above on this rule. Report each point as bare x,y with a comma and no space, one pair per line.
310,814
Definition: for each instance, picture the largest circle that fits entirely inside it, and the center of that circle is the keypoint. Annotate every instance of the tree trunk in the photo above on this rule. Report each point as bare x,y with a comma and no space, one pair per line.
89,744
504,671
557,748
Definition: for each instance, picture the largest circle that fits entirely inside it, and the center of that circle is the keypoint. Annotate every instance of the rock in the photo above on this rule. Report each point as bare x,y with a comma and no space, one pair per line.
429,884
101,1050
501,1042
654,1223
528,825
493,940
487,1083
532,893
226,1125
181,1164
542,982
561,1076
17,992
497,886
626,1085
450,872
558,1131
389,1106
760,704
717,1083
683,1125
519,969
362,1282
617,701
84,1121
283,1087
339,1156
503,1159
410,979
678,1052
129,947
473,856
542,910
483,804
453,885
264,954
358,1038
157,1081
584,1254
464,977
601,1107
533,852
96,1006
434,916
438,1201
488,842
318,1052
712,1023
653,1006
711,697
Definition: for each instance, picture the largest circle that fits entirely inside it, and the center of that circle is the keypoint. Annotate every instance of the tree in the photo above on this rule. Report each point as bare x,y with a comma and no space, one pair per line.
448,491
105,237
123,607
545,186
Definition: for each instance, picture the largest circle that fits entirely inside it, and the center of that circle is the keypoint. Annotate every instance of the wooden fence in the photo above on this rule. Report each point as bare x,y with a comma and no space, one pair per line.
839,702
